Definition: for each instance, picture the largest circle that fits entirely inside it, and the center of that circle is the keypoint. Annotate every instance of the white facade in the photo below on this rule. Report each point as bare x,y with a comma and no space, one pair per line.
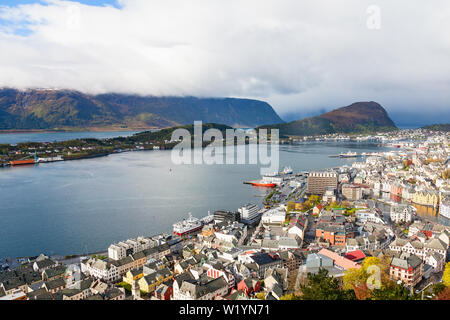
100,269
401,213
249,211
444,208
274,216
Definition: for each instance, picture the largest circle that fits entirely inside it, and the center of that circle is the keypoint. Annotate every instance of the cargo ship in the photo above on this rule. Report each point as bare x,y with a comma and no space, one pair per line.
22,162
191,225
262,183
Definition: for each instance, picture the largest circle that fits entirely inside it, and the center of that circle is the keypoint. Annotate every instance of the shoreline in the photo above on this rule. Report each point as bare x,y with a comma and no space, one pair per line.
95,129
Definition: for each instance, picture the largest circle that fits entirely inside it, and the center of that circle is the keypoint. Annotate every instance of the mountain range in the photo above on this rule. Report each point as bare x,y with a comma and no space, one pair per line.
72,110
359,117
67,110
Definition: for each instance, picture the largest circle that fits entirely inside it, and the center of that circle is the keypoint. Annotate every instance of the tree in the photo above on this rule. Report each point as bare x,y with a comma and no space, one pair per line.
444,294
446,275
261,295
393,291
438,288
290,296
320,286
373,275
373,272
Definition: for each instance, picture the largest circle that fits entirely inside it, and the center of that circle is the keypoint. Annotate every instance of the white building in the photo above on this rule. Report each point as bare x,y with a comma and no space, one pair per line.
444,208
100,269
368,215
131,246
401,213
274,216
249,212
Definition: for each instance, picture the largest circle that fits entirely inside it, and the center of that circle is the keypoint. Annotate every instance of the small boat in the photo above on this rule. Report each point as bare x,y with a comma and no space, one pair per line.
287,170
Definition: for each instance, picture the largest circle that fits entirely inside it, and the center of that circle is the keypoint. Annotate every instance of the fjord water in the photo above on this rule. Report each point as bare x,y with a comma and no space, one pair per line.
12,138
82,206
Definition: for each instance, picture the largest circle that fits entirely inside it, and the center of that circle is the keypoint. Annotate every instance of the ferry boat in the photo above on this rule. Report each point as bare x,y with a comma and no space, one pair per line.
348,155
187,226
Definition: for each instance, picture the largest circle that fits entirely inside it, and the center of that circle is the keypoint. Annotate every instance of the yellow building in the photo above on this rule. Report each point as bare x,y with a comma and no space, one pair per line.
133,275
426,198
149,282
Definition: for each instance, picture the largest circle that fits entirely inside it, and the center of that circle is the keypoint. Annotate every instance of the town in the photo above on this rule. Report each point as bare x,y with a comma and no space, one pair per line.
359,231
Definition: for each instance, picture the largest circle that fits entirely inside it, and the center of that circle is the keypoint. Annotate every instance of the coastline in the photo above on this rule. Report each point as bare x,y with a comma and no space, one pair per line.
69,130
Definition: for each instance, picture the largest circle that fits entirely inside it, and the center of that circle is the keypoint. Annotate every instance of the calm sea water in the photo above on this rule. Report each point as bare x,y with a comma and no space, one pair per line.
11,138
83,206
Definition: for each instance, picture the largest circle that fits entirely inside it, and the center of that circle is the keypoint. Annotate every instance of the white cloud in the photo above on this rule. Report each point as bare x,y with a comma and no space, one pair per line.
297,55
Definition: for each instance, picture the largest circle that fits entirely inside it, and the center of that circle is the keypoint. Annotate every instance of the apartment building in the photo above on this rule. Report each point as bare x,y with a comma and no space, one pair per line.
319,181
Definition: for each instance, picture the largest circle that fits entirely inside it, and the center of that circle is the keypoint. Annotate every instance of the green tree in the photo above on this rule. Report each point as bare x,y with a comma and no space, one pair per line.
392,292
321,286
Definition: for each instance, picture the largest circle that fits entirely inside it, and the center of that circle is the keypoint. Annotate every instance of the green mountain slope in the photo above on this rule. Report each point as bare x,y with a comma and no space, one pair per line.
65,109
359,117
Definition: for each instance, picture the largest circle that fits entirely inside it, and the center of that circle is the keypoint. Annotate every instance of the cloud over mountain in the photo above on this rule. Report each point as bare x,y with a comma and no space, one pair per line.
300,56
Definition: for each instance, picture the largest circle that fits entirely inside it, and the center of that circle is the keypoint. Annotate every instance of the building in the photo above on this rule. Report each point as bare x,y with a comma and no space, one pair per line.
329,195
226,216
249,213
351,192
131,246
319,181
100,269
444,208
426,198
416,247
265,261
369,215
408,269
401,213
193,290
275,216
334,229
339,261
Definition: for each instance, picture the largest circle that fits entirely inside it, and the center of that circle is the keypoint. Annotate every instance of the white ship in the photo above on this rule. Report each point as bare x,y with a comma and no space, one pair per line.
208,219
348,155
192,224
287,170
187,226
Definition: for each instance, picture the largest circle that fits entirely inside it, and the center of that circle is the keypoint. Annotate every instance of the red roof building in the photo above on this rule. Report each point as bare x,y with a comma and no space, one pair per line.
355,256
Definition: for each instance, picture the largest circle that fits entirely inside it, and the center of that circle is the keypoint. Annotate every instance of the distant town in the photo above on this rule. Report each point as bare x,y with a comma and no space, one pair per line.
345,233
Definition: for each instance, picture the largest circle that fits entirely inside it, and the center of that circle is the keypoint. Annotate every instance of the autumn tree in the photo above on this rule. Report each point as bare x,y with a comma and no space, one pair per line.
446,275
373,274
444,294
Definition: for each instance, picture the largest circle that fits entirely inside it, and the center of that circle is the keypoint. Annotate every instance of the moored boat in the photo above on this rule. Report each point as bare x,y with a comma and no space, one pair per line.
261,183
22,162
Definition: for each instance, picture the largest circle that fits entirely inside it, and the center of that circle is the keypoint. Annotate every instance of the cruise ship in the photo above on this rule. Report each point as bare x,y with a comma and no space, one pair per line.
191,225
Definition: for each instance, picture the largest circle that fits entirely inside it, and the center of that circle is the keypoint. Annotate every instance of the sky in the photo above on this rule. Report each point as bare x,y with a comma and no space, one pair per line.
303,57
